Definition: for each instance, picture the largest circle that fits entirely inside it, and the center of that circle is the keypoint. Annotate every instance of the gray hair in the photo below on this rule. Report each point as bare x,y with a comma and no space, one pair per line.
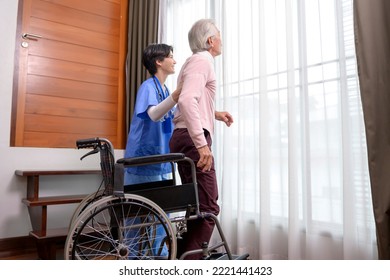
199,33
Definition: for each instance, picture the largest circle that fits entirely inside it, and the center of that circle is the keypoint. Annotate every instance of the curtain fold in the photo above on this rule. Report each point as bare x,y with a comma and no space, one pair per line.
372,39
143,30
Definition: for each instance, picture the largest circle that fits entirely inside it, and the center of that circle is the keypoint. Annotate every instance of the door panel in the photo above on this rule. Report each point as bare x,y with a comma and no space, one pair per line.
73,35
76,53
42,66
70,76
57,106
78,18
50,86
96,7
44,124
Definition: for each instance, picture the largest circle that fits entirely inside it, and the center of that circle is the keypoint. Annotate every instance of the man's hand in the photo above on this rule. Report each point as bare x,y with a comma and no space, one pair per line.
224,117
205,158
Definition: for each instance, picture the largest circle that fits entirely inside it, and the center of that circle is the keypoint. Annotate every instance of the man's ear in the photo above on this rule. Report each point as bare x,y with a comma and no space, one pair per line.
210,42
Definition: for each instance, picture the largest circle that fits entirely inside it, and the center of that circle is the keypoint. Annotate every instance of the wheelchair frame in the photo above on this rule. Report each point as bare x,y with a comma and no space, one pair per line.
132,222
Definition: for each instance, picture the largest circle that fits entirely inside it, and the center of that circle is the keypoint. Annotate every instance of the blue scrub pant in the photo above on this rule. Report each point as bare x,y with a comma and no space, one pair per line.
133,235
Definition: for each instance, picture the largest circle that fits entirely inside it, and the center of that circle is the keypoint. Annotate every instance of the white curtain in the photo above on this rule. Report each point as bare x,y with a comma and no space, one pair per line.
292,169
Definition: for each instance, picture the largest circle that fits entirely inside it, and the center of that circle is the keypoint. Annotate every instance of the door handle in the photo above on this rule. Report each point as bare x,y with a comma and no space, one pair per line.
31,36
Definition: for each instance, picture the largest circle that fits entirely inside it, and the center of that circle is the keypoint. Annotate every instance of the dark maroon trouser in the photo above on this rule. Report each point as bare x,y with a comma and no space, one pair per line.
199,230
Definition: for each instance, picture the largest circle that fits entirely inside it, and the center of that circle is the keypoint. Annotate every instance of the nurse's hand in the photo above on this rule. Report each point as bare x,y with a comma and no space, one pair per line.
176,93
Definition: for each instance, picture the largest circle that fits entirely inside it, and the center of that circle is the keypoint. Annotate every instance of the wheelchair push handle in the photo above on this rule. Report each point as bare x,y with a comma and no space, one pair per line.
97,144
87,143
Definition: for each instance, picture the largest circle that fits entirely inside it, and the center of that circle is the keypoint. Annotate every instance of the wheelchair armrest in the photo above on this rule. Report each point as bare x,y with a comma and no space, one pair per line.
145,160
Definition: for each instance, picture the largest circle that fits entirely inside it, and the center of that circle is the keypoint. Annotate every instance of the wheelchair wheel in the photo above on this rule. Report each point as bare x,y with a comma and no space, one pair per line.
87,201
113,228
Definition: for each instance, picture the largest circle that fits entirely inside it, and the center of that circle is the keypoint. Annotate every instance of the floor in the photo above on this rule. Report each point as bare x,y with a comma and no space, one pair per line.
24,256
30,254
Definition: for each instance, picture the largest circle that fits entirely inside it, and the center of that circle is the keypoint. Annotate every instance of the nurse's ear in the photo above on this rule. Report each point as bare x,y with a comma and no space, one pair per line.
158,63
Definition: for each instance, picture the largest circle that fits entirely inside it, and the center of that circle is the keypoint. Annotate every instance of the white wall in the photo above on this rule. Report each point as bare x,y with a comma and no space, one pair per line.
14,218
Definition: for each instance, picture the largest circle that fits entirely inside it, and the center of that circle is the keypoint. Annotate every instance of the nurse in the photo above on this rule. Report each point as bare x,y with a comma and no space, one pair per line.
151,128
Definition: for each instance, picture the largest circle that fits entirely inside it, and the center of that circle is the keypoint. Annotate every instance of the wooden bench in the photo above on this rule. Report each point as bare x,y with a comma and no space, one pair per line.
46,238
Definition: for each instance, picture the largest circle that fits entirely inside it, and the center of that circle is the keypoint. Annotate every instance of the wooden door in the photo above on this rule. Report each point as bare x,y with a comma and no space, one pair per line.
70,74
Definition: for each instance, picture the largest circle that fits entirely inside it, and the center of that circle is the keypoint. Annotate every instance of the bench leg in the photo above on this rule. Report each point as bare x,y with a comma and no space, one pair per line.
47,249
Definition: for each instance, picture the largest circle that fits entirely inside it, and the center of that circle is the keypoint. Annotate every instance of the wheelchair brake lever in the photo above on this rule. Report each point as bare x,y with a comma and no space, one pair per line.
94,151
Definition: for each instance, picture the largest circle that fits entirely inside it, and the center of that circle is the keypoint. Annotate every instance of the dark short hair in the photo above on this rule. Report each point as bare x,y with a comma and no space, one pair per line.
153,53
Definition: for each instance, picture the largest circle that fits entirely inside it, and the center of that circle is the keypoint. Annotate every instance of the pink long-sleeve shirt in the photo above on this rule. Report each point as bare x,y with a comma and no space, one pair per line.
195,109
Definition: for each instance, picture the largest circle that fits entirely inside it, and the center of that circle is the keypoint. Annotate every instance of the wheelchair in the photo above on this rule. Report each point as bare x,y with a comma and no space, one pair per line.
140,221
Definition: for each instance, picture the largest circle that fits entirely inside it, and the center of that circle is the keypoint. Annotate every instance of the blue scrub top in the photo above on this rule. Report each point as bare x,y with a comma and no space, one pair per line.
147,137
